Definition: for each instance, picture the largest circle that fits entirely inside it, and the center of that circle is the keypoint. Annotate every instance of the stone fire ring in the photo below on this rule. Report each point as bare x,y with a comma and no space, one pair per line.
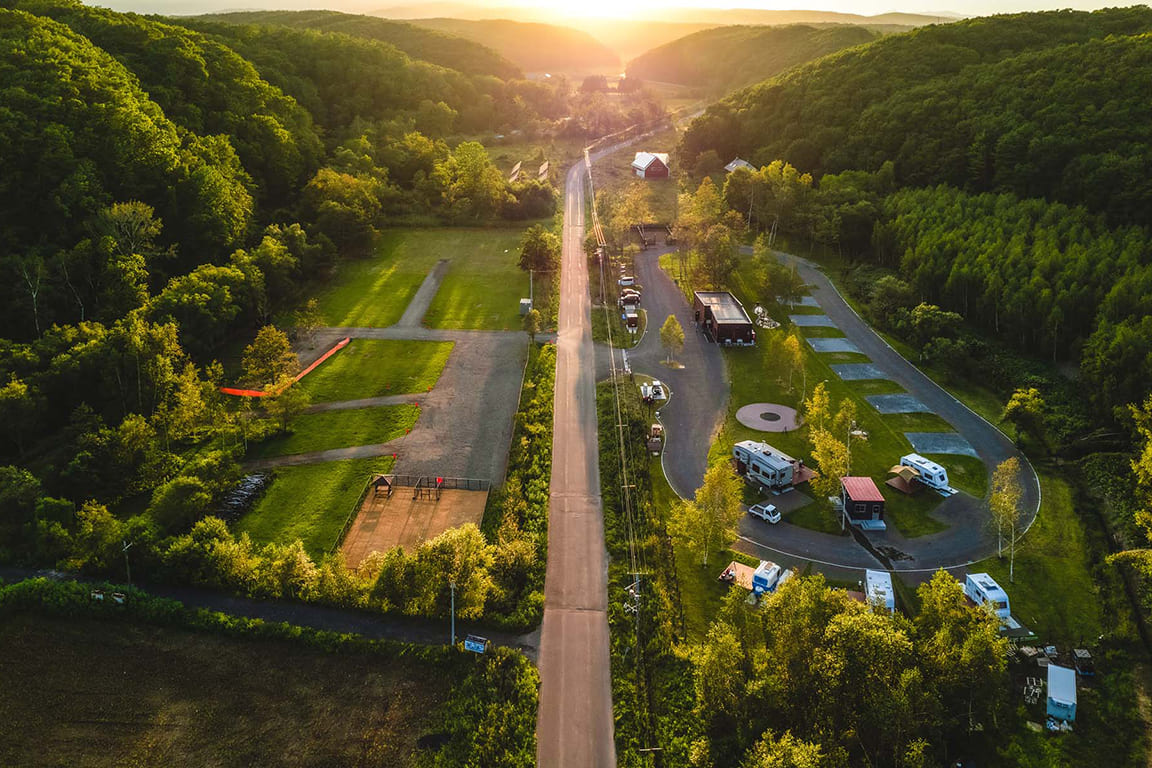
768,417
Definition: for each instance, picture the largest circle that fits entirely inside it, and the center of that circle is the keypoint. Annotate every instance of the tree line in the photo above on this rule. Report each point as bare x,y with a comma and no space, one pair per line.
1040,105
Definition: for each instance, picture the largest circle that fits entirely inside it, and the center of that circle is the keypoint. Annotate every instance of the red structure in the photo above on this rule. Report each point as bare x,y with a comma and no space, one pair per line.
258,393
863,502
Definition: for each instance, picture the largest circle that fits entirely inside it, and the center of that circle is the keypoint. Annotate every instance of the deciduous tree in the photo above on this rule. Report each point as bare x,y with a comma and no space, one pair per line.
1004,503
672,337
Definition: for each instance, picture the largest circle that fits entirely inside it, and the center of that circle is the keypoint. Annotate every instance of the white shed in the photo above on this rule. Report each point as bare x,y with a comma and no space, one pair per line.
1061,693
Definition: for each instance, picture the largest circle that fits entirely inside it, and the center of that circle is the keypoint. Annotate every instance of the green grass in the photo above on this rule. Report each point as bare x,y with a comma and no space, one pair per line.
339,429
844,358
917,422
484,284
1054,593
310,503
613,173
821,332
108,692
374,292
911,515
865,387
621,338
378,367
965,473
817,516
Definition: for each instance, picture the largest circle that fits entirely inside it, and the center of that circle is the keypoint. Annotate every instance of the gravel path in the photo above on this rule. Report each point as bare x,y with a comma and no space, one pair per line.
419,304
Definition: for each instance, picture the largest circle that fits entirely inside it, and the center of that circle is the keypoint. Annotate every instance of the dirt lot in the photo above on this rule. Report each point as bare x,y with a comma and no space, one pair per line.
384,523
86,693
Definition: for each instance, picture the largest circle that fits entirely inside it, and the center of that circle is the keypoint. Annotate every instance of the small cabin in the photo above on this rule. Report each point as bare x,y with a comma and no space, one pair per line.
722,318
982,589
1061,693
878,587
762,465
650,165
862,502
928,472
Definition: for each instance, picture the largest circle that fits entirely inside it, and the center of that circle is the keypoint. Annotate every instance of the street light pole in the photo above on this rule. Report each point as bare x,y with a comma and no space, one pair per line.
453,586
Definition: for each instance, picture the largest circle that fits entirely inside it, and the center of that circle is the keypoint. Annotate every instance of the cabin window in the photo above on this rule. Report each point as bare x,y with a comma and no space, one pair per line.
861,508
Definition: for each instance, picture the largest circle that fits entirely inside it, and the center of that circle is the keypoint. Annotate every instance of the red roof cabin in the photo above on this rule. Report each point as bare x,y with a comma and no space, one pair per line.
863,503
650,165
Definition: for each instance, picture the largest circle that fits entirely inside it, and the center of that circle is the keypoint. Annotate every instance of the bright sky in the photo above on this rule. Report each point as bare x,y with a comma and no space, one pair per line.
651,8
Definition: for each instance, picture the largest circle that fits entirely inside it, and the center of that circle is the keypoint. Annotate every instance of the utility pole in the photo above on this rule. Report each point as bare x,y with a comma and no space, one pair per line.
452,584
127,568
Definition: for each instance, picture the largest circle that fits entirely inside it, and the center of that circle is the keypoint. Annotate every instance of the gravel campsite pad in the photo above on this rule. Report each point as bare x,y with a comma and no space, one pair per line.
858,371
812,321
940,442
833,345
900,403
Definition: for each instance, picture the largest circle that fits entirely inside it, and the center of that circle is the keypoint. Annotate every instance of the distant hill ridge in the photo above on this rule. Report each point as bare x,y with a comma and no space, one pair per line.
435,47
726,58
534,47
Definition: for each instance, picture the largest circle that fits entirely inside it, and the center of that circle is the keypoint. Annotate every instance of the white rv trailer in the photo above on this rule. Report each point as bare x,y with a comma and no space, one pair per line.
931,474
762,465
982,588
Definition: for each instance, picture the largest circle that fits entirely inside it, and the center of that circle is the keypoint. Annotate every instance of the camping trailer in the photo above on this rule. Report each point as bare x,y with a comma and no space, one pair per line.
878,587
981,588
764,578
1061,693
929,472
762,465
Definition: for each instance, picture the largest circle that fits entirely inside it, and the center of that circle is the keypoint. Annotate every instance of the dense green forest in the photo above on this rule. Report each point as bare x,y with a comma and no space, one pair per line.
1042,105
727,58
532,47
167,191
418,42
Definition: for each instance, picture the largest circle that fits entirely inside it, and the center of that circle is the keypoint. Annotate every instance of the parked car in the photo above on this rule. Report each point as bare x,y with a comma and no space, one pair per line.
766,512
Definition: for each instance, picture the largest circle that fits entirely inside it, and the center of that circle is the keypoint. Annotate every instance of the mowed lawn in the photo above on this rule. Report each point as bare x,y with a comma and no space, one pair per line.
104,693
484,284
378,367
339,429
374,292
310,503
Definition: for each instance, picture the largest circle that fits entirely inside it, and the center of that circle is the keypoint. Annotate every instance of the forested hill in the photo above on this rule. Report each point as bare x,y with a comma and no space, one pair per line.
429,45
1050,105
727,58
532,47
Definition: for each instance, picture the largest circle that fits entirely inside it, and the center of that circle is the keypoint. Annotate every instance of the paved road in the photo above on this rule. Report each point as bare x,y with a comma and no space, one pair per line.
699,389
378,626
969,536
574,720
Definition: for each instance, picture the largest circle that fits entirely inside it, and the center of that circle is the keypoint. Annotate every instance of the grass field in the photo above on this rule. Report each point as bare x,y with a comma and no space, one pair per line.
339,429
310,503
95,694
378,367
374,292
613,173
484,284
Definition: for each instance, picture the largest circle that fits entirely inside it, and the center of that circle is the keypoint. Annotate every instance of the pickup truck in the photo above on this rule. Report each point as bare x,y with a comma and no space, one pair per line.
766,512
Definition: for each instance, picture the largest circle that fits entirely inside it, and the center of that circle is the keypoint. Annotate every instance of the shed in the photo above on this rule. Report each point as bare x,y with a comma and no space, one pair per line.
1061,693
722,317
739,163
650,165
862,502
880,592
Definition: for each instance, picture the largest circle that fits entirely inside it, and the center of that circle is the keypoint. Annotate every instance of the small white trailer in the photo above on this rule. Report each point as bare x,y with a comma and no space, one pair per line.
928,472
878,588
983,589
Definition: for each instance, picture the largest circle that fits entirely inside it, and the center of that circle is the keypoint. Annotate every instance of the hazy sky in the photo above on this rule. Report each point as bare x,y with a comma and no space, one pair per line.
618,8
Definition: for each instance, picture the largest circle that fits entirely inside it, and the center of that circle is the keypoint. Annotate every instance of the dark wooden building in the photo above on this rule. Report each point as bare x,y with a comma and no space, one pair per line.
863,502
722,317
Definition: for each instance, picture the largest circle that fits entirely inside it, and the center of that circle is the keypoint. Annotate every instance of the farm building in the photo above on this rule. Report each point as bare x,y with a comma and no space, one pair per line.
739,163
762,465
862,502
1061,693
650,165
723,318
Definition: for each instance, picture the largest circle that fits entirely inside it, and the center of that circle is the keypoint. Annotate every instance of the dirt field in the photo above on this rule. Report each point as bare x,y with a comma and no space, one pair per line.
83,693
384,523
